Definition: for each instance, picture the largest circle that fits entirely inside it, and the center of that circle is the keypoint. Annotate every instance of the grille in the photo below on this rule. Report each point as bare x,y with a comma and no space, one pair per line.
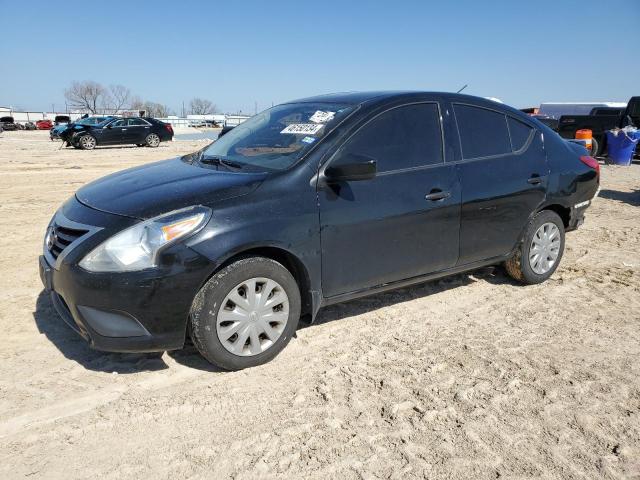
61,237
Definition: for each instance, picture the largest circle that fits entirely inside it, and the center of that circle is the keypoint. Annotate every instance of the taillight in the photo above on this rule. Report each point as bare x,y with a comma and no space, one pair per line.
169,128
591,162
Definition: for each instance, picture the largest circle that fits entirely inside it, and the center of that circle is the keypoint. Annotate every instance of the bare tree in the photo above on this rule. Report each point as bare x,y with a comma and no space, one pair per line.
157,110
201,106
152,109
118,98
87,95
136,103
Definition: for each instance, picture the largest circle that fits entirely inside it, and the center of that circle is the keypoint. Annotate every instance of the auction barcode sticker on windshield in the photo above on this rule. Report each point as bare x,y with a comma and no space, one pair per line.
322,117
303,128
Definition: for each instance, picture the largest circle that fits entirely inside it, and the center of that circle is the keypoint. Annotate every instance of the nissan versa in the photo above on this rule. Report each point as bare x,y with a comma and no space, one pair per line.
307,204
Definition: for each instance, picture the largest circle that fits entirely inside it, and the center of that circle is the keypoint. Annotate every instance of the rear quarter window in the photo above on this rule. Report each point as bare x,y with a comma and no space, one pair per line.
519,133
483,132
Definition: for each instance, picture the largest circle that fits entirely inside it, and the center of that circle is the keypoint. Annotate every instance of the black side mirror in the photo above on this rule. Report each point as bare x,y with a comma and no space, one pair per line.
351,167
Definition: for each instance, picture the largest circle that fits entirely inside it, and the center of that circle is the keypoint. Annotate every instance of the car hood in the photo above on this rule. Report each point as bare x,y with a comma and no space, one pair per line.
150,190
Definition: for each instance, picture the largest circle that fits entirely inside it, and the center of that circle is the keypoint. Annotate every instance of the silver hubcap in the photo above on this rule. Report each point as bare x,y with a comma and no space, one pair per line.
252,317
88,142
153,140
545,248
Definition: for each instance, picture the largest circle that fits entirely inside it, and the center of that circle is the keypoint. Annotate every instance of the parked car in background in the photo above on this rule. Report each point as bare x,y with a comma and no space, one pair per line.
44,124
56,131
307,204
8,123
599,121
550,122
118,131
30,126
61,119
611,111
558,109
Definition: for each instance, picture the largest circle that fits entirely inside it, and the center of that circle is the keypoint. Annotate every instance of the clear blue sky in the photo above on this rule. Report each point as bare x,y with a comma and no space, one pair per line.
240,52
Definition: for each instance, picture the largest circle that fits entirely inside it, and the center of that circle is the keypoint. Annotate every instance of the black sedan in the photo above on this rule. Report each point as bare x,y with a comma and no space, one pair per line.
307,204
118,131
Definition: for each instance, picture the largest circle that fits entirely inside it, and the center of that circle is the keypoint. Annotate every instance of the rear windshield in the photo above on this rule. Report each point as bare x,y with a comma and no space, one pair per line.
6,119
278,137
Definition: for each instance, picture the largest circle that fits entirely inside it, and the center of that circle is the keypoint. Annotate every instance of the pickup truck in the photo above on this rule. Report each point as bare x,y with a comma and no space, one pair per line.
599,121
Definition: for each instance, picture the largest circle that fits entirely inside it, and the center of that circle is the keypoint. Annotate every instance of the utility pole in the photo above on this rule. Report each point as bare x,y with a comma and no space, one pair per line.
53,108
183,113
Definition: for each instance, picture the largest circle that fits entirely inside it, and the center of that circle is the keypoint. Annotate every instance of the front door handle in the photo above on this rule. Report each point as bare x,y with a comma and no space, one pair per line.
436,195
535,180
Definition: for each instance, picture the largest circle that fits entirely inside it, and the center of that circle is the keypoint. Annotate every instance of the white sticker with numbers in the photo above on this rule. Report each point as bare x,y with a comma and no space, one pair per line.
303,128
322,117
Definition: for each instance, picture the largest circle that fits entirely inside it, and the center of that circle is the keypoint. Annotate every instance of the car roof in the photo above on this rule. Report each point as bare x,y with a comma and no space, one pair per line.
353,98
375,97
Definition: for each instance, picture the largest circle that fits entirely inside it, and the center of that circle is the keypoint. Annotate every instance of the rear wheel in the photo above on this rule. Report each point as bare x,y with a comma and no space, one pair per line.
152,140
87,142
246,313
540,251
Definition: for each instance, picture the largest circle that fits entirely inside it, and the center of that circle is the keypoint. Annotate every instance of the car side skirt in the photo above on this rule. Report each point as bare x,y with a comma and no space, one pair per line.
345,297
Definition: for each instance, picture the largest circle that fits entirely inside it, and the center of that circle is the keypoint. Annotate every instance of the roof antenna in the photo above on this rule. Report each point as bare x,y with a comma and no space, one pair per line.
465,86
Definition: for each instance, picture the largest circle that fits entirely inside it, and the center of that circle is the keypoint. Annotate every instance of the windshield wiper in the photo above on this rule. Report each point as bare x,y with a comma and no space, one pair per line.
220,161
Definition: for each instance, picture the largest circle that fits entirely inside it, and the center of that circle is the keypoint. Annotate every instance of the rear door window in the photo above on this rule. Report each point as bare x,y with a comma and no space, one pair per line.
483,132
137,122
403,137
519,133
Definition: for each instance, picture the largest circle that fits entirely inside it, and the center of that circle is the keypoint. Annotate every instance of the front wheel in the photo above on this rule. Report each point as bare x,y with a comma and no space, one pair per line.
540,251
246,313
152,140
87,142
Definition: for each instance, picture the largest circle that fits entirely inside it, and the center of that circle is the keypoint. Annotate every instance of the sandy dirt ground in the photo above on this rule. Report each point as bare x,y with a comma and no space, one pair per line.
471,377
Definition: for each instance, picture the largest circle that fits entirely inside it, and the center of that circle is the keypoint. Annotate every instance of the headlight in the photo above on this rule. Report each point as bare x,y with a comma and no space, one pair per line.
137,247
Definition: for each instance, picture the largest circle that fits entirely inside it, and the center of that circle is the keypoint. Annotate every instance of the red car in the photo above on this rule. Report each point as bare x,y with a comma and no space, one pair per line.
44,124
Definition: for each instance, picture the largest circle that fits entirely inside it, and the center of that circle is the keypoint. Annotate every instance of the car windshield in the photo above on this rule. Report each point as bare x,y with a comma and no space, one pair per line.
276,138
91,121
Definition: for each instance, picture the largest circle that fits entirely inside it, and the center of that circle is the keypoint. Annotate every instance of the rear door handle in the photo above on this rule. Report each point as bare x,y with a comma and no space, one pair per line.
436,195
535,180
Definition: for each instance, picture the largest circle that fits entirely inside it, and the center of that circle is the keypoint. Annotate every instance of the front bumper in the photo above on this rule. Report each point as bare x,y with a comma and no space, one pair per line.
143,311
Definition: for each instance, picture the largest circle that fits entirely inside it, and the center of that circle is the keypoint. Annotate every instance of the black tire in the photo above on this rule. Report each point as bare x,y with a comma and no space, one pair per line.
208,302
152,140
595,148
86,141
519,266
